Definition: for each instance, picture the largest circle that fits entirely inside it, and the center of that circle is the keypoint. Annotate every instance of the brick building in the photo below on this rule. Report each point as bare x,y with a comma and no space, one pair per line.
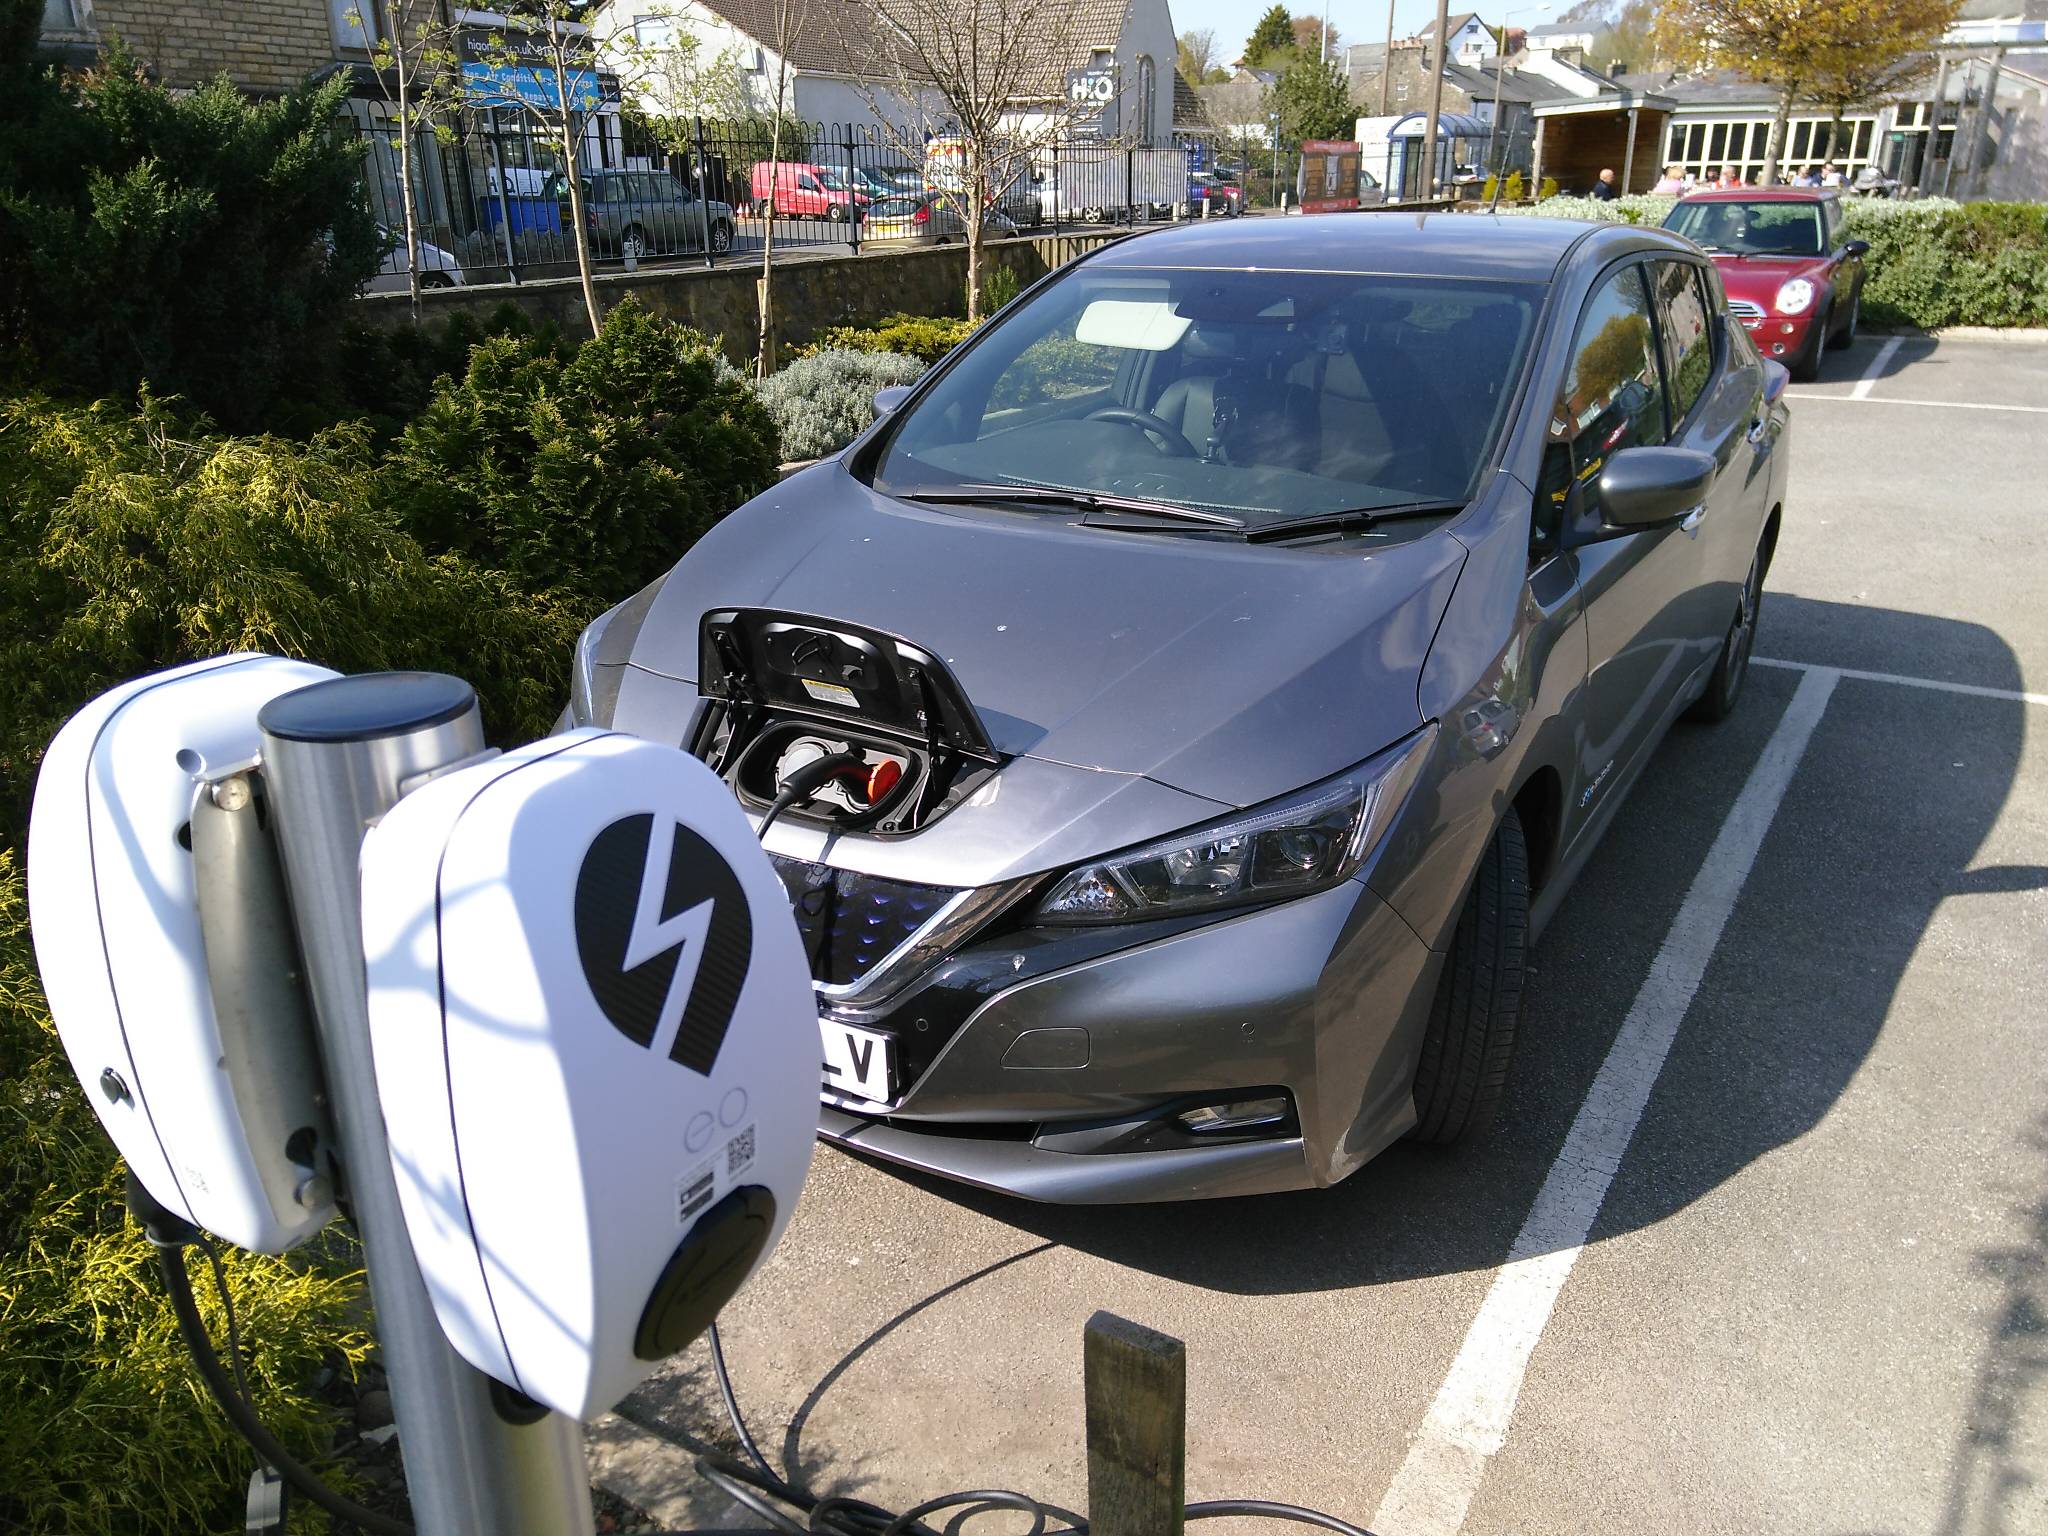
264,46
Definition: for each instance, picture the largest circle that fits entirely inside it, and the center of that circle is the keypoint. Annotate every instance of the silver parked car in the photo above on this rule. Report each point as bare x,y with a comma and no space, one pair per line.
927,218
639,214
1177,716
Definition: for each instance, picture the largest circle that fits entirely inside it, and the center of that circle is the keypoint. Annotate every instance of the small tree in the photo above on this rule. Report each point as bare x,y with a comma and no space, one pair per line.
412,51
1196,54
979,67
1902,31
1793,45
1308,39
1272,37
1313,101
543,61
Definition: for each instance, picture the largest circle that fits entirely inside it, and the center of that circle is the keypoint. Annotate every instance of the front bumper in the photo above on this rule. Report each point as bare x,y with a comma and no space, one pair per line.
1063,1083
1780,336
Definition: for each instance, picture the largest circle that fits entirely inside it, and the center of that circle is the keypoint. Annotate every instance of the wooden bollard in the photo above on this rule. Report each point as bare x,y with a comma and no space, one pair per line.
1136,1384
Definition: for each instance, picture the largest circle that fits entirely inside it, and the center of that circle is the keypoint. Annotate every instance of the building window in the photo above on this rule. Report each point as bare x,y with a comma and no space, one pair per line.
62,16
354,23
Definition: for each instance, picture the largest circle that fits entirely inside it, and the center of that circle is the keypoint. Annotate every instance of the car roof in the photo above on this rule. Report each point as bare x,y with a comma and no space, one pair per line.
1515,248
1763,195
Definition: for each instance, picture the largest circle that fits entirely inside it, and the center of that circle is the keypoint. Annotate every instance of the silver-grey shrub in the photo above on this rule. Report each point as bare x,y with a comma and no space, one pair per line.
821,403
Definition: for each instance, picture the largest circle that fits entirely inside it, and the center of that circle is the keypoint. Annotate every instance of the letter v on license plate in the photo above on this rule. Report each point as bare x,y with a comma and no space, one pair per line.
859,1063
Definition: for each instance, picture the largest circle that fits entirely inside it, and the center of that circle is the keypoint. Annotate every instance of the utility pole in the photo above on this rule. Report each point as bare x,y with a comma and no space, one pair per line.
1387,61
1436,99
1325,54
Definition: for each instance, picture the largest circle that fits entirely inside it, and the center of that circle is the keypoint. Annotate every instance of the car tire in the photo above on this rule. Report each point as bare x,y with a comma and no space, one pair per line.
633,243
1846,337
1724,688
836,214
721,238
1478,1004
436,280
1806,366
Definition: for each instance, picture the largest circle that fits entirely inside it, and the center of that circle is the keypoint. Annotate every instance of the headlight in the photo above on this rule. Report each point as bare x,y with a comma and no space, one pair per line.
1304,842
1794,297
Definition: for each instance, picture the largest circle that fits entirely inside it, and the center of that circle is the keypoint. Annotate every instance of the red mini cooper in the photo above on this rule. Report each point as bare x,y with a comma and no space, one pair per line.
1792,279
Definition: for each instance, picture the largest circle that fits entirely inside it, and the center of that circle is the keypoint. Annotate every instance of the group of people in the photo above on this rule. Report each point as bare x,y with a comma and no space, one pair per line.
1676,183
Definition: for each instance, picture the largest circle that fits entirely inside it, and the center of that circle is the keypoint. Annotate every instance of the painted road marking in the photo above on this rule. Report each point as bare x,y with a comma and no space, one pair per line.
1876,369
1468,1420
1939,405
1900,679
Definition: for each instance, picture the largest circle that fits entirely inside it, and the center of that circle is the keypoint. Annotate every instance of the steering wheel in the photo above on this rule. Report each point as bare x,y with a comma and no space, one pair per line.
1171,443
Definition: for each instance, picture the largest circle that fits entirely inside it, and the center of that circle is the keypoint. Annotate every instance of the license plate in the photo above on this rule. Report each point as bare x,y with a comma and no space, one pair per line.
859,1064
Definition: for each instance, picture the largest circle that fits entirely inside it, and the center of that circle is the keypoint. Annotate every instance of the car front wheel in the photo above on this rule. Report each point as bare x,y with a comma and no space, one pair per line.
633,243
721,238
1471,1035
1806,366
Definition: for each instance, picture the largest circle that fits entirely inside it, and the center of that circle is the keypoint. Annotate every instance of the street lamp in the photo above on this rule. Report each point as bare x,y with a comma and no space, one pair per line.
1500,69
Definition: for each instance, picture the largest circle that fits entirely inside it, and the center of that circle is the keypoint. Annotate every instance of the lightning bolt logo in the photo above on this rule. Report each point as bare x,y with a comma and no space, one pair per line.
664,937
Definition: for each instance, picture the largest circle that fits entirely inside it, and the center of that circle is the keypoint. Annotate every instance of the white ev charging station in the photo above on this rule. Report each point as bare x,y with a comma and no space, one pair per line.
539,1022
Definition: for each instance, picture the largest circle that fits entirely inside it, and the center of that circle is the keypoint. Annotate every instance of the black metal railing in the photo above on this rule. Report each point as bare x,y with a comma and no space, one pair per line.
494,205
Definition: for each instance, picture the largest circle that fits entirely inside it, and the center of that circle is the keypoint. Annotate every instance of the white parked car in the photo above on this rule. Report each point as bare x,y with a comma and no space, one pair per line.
438,268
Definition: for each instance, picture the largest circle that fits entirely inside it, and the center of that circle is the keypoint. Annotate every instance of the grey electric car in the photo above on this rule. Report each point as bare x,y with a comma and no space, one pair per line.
1177,716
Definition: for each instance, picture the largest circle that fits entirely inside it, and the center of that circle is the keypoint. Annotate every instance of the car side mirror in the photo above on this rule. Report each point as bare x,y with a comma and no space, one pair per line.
1646,487
1856,248
889,396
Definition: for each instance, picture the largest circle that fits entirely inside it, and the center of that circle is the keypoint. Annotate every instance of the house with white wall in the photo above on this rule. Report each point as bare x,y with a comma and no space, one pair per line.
835,75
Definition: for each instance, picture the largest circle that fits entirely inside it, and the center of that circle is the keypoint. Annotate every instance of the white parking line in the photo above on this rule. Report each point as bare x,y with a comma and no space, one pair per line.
1939,405
1876,369
1468,1421
1975,690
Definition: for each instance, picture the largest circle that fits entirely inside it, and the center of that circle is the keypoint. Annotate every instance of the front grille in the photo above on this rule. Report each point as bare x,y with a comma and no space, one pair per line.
1743,309
850,922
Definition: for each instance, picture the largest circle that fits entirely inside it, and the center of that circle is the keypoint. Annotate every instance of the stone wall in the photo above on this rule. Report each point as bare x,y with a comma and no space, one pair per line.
264,45
810,292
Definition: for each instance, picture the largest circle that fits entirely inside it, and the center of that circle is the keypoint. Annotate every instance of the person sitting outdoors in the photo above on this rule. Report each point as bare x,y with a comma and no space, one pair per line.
1732,178
1808,177
1831,175
1604,190
1673,183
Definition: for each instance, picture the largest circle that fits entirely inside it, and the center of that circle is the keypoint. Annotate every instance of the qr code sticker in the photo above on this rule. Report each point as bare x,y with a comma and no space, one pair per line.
694,1192
739,1153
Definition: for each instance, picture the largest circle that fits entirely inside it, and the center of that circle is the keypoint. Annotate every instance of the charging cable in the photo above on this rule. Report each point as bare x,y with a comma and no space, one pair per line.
170,1233
804,783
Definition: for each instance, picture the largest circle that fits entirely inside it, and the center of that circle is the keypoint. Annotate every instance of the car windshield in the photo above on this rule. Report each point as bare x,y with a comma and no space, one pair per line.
1267,396
833,179
1756,228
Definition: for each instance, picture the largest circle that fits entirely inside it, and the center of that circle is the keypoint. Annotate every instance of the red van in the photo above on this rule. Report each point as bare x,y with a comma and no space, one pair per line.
799,190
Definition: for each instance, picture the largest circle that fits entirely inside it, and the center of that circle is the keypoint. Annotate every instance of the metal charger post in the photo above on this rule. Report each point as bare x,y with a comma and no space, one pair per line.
336,756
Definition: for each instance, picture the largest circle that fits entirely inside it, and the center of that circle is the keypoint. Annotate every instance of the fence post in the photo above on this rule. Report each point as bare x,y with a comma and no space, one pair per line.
853,219
1130,188
697,163
504,207
1136,1385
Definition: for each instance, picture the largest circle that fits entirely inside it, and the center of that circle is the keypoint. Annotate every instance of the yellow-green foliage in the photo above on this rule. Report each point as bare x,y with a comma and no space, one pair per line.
130,543
924,337
103,1426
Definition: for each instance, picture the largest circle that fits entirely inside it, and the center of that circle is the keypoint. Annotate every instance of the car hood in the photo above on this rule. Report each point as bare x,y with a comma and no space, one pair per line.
1228,671
1758,278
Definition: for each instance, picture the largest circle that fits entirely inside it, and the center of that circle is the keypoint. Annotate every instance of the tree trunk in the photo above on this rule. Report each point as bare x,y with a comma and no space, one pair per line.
972,215
764,352
1775,146
405,188
1834,133
582,233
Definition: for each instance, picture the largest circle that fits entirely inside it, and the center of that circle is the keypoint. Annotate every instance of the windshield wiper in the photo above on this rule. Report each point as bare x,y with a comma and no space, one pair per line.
1352,519
1086,501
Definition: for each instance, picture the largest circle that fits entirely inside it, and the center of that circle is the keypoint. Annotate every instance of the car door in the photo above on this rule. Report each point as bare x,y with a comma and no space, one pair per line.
1716,388
1638,590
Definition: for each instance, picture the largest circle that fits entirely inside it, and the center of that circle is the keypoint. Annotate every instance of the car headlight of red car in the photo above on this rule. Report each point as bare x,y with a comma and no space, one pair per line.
1303,842
1795,297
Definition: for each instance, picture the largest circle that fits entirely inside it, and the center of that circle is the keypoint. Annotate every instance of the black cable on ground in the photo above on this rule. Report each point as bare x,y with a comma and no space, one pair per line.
171,1263
762,1489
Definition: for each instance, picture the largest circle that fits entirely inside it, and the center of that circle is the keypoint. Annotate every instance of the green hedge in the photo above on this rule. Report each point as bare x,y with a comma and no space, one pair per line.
1932,262
534,490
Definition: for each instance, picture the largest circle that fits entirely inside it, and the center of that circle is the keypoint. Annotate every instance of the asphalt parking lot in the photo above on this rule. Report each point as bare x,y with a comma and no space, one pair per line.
1761,1241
